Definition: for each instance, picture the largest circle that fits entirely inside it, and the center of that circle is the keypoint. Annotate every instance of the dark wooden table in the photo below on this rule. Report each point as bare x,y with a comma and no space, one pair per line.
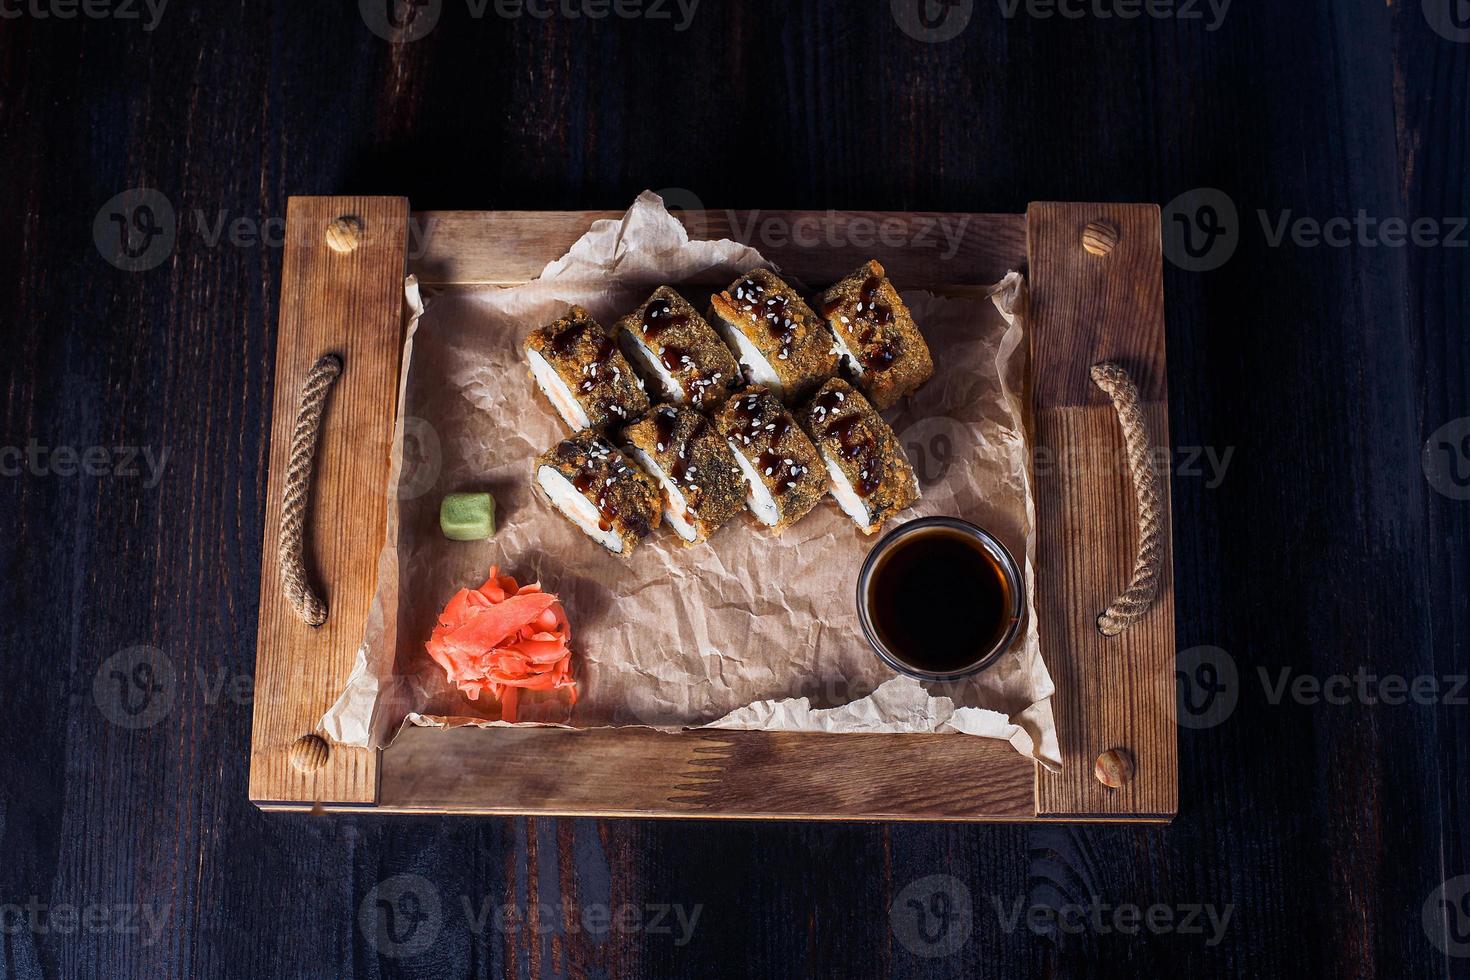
1319,409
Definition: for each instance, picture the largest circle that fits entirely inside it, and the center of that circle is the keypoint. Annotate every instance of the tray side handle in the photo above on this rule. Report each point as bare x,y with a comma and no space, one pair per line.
309,608
1097,296
1131,605
342,274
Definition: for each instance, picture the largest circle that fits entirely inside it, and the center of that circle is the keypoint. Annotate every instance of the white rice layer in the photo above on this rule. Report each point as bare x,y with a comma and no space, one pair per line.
758,370
581,511
557,392
847,498
676,508
757,497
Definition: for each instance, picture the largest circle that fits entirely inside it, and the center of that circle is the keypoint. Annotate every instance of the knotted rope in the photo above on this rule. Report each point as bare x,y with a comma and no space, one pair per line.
312,610
1129,607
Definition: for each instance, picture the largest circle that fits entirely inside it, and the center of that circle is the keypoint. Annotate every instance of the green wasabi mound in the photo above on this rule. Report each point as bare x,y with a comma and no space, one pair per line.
467,516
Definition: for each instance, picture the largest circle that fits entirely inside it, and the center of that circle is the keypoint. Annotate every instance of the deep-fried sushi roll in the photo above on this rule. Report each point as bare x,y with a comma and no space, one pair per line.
702,485
780,342
598,489
580,369
870,476
668,340
784,475
876,335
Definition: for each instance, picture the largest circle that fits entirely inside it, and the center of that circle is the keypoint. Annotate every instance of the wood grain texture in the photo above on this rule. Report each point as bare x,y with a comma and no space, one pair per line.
741,775
350,304
920,250
1317,373
1111,692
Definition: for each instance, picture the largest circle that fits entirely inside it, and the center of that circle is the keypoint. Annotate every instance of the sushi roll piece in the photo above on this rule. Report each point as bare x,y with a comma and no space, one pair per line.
870,476
597,488
702,484
877,338
671,343
784,475
580,369
779,341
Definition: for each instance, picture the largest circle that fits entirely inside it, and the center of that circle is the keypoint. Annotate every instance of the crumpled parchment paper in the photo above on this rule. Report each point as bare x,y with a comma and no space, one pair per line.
745,631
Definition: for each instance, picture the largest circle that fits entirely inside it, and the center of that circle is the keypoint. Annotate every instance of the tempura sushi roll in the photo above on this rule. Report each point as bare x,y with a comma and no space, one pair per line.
701,482
597,488
870,476
876,336
779,341
784,475
672,344
580,369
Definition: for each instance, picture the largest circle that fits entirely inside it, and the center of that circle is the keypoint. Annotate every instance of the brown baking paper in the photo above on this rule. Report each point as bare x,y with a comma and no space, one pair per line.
744,631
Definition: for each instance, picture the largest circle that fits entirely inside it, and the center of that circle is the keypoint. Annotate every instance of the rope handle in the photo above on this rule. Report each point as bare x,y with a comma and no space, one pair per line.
311,610
1129,607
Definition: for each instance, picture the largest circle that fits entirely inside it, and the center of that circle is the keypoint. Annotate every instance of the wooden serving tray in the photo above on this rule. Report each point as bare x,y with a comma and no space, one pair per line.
1111,693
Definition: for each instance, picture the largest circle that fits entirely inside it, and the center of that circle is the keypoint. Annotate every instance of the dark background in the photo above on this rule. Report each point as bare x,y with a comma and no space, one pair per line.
1326,548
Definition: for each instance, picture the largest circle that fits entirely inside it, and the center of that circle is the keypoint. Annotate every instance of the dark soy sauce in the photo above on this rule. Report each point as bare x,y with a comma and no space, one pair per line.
939,601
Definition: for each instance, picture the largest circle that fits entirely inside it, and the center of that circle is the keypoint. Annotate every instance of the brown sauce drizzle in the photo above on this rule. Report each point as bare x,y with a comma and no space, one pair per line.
595,370
664,421
566,341
869,306
773,310
676,358
853,443
872,314
658,316
857,445
586,477
786,470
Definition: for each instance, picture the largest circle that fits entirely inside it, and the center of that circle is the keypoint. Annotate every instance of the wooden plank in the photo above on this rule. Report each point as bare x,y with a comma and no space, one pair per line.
350,304
921,250
1111,692
639,772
